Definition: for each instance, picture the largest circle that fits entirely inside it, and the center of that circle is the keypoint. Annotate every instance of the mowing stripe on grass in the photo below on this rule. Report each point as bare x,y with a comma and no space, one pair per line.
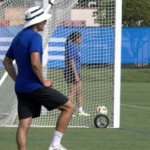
77,139
135,106
136,131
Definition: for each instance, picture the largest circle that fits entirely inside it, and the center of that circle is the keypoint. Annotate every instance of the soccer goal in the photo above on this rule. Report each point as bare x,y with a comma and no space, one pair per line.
99,22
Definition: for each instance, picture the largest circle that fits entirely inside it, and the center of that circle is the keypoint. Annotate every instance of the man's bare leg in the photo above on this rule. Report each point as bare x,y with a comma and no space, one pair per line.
21,135
62,123
65,116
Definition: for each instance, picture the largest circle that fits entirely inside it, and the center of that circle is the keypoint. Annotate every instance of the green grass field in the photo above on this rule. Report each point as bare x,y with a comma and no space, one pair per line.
134,132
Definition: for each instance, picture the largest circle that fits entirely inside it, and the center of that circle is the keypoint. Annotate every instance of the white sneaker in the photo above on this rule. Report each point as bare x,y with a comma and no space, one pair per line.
58,147
73,115
83,114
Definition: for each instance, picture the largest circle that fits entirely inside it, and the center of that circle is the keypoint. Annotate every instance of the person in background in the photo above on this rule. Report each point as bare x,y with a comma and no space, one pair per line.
72,70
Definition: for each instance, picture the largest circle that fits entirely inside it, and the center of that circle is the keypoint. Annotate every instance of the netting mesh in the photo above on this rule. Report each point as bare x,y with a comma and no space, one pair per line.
95,21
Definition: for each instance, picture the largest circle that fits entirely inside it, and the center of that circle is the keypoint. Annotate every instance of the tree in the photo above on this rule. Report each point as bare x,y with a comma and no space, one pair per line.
135,13
105,13
84,3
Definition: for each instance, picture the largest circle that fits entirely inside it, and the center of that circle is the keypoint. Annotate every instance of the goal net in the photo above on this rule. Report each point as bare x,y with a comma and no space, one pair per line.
95,20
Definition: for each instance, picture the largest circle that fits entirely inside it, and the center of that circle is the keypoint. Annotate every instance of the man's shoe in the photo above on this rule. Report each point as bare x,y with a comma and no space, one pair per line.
83,114
73,115
58,147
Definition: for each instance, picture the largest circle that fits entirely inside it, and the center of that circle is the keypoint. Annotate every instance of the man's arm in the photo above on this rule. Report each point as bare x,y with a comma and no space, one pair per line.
8,64
37,68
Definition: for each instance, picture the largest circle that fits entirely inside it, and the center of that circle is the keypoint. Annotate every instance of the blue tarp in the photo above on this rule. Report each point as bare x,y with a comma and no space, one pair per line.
135,45
97,45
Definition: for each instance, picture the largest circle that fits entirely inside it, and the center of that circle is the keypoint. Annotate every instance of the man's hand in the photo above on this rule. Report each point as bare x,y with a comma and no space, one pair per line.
48,83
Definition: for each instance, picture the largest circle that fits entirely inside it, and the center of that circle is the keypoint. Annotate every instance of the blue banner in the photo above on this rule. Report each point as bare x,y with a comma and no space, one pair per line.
135,45
97,45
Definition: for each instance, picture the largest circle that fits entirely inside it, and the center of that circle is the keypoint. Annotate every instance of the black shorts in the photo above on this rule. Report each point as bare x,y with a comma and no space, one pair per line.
29,104
70,77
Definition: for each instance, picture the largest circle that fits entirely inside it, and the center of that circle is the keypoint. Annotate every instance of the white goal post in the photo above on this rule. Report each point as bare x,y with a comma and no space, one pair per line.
100,57
117,64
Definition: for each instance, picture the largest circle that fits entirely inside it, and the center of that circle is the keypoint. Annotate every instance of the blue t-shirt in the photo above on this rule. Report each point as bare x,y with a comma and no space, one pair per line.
71,52
20,50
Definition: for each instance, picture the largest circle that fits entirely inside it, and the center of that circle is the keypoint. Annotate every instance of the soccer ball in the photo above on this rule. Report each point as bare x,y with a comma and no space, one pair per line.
101,110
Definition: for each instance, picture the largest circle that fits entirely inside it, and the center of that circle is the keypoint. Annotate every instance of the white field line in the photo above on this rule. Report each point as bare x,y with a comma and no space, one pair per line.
134,106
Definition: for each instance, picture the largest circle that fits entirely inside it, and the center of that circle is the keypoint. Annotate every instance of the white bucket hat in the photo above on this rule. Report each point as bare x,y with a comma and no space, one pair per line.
35,15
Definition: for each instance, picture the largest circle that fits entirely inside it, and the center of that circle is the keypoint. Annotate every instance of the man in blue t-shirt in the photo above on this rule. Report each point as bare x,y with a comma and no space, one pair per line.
25,43
31,89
